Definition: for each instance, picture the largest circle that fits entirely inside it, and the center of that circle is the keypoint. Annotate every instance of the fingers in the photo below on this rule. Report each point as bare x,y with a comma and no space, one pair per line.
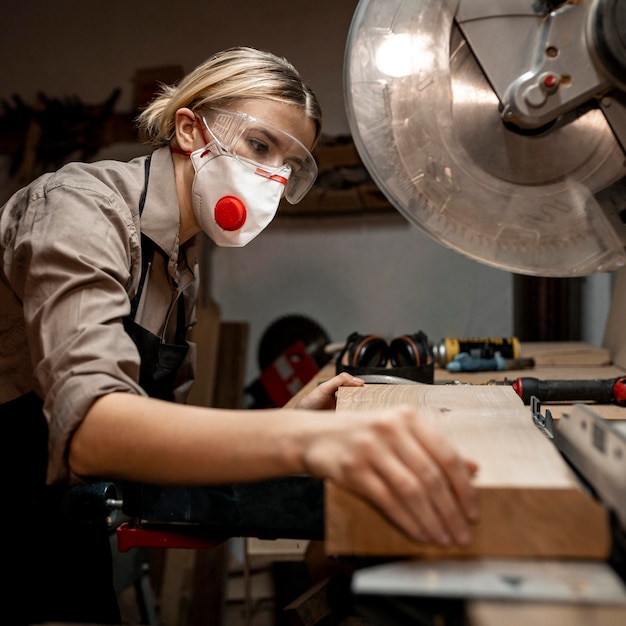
471,467
378,492
456,470
424,491
344,379
405,468
428,485
323,396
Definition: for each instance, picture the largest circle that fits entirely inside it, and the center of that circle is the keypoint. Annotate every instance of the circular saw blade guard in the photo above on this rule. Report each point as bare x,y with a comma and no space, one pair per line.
428,126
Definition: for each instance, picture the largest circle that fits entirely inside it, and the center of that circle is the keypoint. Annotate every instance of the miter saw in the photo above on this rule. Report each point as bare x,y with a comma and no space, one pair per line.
498,127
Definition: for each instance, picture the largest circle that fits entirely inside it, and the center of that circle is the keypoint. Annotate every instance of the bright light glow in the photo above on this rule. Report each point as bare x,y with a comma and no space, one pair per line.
404,54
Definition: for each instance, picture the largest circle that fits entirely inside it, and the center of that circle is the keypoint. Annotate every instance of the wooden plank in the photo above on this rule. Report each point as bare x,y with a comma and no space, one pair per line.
563,372
205,334
276,549
614,332
175,594
531,503
485,613
311,607
230,370
607,411
565,353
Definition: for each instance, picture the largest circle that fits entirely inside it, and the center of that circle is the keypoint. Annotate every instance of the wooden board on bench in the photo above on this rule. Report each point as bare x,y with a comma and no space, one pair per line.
555,353
531,503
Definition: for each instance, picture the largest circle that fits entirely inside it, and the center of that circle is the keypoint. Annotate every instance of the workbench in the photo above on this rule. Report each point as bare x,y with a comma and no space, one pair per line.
553,361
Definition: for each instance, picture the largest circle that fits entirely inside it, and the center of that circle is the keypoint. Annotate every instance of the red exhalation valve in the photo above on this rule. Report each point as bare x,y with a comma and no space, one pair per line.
230,213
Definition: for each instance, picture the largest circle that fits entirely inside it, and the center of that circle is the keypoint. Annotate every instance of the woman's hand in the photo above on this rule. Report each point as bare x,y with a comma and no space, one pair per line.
405,467
323,397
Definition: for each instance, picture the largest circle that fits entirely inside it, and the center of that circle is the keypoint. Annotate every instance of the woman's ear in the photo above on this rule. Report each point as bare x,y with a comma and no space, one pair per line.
187,132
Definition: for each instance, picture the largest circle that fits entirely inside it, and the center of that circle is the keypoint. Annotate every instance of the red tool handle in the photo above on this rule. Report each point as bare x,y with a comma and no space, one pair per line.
163,536
607,391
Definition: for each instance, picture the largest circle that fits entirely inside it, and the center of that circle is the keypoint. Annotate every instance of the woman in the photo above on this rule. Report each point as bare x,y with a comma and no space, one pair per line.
98,291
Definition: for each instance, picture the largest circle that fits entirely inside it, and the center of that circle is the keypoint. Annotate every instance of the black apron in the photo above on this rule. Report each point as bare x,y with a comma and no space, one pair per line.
160,361
60,569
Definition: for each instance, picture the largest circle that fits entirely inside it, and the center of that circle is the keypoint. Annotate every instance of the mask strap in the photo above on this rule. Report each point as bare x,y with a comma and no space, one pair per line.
179,151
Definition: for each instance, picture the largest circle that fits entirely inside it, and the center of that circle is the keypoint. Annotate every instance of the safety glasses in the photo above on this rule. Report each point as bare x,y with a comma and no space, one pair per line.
258,144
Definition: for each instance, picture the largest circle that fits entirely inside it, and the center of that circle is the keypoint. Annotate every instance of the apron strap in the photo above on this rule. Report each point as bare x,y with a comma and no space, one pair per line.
147,245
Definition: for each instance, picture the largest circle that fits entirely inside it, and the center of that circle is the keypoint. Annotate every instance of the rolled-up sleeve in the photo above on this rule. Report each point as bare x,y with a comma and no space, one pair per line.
80,243
70,247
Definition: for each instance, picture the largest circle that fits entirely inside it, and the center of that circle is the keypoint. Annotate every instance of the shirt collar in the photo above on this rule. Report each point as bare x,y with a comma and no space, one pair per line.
160,219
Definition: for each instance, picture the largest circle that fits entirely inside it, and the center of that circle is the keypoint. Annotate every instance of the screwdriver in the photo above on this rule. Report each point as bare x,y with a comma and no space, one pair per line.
602,391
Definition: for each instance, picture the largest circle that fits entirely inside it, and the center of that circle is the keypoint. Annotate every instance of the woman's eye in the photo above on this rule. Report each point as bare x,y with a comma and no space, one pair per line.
258,147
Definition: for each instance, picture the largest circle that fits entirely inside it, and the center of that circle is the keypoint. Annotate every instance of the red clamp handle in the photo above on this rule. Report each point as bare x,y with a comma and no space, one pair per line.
619,391
164,536
603,391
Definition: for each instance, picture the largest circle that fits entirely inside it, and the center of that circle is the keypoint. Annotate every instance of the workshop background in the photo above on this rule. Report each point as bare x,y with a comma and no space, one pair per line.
349,263
344,258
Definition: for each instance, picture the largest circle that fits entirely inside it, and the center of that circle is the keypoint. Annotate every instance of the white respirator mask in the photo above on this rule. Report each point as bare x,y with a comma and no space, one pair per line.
242,173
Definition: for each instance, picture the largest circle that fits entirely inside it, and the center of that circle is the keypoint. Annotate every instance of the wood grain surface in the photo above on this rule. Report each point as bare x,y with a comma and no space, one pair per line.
531,503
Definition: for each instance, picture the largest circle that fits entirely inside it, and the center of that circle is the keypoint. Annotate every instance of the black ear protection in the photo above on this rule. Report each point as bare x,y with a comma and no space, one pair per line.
410,350
373,351
364,351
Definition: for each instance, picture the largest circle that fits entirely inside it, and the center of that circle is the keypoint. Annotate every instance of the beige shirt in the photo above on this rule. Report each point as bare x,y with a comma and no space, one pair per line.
71,263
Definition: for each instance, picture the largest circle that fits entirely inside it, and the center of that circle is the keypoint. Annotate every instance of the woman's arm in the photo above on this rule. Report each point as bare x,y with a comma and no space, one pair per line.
390,457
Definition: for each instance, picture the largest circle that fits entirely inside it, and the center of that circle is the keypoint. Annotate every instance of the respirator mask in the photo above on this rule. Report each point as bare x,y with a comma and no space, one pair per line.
242,173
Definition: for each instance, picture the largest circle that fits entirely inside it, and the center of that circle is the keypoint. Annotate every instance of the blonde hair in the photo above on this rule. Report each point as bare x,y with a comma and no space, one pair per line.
228,76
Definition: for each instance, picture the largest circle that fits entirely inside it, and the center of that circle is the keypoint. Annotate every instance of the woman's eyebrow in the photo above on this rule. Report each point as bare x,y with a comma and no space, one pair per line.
268,134
275,139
